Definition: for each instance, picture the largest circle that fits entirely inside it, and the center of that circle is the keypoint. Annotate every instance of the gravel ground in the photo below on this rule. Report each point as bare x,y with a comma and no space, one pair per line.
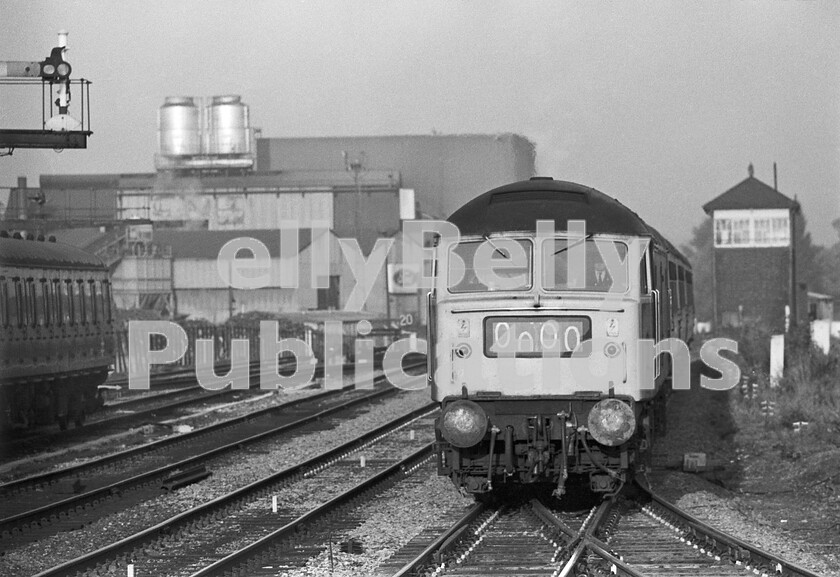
699,421
228,474
311,492
392,520
198,417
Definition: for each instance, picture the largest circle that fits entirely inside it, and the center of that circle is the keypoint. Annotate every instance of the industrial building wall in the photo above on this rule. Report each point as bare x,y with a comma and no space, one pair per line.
201,292
366,216
214,305
445,170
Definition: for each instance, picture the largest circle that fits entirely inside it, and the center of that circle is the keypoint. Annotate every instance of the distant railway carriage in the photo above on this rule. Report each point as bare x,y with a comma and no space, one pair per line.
57,339
536,364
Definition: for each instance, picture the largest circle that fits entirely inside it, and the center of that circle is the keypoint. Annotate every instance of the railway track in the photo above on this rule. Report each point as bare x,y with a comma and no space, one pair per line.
182,391
43,504
239,529
642,536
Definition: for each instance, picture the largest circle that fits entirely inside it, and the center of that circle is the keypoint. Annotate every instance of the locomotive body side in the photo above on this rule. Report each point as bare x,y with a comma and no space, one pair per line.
58,341
540,378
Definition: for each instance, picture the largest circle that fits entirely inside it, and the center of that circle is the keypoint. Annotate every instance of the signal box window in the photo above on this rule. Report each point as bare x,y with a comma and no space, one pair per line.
592,274
498,264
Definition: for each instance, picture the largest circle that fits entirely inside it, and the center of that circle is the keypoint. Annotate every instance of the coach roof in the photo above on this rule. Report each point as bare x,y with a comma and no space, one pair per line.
518,206
43,254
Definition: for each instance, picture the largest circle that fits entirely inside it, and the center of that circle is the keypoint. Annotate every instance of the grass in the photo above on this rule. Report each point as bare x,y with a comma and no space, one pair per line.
809,392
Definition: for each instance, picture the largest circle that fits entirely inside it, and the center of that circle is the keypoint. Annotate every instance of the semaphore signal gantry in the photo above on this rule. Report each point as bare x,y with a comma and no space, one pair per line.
59,128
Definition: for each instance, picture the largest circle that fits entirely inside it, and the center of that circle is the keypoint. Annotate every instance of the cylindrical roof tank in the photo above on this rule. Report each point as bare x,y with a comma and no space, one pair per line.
179,127
228,130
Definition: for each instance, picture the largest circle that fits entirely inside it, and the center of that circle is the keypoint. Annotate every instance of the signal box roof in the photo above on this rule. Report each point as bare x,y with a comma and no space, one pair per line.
518,206
750,193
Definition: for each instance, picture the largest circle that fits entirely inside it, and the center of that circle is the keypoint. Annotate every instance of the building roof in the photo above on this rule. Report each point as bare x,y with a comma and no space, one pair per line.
370,180
747,194
205,244
79,181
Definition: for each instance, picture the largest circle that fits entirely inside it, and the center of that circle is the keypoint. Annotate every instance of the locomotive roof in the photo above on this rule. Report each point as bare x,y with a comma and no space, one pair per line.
518,206
36,253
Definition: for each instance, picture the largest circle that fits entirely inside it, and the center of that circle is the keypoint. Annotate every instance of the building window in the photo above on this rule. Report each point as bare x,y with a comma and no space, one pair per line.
723,232
752,228
780,231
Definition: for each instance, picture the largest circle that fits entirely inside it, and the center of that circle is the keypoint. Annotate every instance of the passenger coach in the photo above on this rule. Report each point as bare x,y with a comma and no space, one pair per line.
57,338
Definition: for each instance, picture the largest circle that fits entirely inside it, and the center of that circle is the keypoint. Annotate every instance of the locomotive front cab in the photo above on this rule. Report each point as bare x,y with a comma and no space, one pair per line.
534,364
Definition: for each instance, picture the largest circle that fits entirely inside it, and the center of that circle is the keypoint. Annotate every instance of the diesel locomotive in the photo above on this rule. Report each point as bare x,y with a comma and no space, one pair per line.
536,316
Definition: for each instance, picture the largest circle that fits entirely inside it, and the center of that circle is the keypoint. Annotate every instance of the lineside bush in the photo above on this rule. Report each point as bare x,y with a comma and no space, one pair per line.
801,415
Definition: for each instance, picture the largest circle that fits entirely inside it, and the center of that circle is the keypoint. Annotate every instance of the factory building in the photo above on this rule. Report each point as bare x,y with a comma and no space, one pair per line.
445,171
160,232
188,275
754,260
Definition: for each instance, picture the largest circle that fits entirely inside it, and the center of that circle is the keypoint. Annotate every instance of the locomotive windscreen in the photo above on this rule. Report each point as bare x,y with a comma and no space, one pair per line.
470,265
590,271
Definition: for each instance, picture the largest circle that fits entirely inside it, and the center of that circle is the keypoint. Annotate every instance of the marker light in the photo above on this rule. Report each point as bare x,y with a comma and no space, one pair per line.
463,423
611,422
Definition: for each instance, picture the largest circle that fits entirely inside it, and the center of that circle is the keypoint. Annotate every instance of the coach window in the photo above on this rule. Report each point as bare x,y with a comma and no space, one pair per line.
507,259
689,288
58,311
106,301
46,302
79,302
4,302
40,303
67,302
673,286
18,307
91,304
31,302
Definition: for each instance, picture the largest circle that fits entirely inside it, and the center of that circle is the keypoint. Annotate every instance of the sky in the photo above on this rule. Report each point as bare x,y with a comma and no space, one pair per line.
662,104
